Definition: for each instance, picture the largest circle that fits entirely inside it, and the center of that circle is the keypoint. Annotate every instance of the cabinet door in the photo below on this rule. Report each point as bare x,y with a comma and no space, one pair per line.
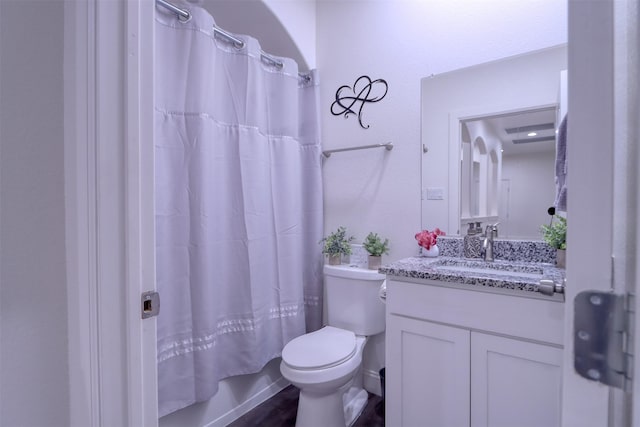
514,383
427,374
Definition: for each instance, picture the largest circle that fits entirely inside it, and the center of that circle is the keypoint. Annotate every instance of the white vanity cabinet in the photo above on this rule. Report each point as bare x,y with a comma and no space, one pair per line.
427,373
514,382
462,357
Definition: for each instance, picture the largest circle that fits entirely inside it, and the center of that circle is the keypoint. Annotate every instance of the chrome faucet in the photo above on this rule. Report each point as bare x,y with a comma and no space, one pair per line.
487,246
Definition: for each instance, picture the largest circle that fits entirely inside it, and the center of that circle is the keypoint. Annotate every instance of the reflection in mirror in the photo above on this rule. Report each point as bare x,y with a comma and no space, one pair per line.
507,171
471,167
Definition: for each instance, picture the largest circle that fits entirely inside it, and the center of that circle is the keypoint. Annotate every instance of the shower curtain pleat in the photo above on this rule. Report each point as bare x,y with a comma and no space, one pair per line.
238,208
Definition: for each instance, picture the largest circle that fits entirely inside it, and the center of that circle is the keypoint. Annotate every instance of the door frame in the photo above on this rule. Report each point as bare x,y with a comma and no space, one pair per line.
109,204
590,65
598,227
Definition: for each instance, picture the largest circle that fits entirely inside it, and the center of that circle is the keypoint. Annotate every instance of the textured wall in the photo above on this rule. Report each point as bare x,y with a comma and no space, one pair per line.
34,387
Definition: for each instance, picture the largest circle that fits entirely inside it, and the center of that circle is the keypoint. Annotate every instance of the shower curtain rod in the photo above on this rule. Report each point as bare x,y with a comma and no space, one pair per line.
184,15
388,146
239,44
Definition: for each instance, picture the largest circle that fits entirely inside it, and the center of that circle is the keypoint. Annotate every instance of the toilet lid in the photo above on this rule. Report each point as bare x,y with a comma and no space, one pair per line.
320,349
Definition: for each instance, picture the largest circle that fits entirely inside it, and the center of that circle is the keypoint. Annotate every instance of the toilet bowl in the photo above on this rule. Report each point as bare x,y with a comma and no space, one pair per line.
326,363
322,376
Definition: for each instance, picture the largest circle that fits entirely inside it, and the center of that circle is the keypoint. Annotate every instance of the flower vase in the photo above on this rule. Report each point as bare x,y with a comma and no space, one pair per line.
561,258
374,262
432,252
335,259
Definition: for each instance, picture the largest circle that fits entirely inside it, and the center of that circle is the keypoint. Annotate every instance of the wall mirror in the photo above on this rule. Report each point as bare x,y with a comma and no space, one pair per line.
488,144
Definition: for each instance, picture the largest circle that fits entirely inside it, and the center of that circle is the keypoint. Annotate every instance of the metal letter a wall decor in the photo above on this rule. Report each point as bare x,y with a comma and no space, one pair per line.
364,90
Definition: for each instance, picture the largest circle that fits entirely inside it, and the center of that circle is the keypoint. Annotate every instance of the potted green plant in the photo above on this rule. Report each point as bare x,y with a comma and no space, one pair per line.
555,235
376,247
337,244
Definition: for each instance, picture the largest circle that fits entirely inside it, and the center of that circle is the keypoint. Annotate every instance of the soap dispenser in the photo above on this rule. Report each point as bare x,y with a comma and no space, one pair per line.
471,230
472,241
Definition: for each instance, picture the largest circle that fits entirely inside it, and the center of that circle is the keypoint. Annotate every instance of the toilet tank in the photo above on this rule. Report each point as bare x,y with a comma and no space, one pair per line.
352,300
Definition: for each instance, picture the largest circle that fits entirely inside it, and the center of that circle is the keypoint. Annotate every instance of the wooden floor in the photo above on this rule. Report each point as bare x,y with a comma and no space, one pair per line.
280,411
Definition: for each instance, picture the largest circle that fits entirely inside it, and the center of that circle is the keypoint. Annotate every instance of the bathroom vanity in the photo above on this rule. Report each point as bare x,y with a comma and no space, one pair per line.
471,343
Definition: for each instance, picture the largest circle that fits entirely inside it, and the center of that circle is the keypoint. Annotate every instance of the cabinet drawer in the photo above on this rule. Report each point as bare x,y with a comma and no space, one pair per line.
531,319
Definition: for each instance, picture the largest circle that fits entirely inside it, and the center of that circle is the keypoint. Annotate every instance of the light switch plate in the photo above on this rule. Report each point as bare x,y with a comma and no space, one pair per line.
435,193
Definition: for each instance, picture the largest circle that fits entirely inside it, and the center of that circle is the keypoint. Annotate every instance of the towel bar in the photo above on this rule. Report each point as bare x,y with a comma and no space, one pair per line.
388,146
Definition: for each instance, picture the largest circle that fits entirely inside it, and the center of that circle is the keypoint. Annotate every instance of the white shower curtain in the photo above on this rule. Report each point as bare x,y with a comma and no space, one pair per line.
238,208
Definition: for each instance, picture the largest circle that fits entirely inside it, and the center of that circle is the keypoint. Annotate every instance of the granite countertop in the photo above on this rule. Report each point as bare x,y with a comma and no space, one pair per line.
513,275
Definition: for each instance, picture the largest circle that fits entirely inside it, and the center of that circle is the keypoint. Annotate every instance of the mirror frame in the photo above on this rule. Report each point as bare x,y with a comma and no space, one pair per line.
482,90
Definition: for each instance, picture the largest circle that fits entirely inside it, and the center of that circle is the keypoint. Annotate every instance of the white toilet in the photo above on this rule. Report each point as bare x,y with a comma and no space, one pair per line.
325,364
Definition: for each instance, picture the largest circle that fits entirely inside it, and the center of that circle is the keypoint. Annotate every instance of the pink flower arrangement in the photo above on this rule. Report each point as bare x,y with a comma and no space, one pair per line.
427,238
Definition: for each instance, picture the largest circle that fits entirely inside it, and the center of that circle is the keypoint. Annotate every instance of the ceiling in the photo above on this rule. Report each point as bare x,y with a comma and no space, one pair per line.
517,127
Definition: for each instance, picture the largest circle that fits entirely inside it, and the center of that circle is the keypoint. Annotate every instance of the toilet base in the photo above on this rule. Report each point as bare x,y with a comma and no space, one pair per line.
354,401
333,410
320,411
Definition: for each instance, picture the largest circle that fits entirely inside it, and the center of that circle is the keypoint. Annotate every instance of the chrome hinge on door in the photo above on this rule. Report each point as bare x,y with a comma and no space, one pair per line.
150,304
603,337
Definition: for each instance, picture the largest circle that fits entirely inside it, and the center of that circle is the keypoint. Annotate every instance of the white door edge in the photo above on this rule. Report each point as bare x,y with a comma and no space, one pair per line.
79,116
140,234
598,189
627,181
109,211
590,63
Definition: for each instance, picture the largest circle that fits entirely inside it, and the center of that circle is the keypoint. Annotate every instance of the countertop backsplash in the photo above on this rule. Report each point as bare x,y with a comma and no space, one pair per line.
507,250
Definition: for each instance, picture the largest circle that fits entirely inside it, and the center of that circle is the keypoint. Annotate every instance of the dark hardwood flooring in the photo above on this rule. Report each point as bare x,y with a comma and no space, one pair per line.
281,409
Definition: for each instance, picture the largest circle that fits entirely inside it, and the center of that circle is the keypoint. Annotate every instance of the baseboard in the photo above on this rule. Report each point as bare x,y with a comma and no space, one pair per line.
371,382
258,398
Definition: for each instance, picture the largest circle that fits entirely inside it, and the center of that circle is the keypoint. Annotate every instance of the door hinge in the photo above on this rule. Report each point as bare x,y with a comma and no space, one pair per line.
150,304
603,337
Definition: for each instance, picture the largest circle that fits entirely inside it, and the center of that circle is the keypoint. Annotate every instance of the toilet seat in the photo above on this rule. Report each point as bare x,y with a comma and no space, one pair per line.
322,349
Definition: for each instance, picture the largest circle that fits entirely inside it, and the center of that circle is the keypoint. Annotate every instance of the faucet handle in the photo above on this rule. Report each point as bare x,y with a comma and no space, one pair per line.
493,229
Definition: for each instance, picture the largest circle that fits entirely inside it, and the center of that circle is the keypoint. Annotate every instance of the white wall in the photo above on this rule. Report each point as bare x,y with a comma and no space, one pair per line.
33,312
532,192
402,42
299,19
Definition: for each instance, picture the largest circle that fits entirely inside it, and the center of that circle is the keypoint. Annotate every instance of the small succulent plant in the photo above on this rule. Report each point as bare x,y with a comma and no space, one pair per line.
555,234
375,246
337,243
